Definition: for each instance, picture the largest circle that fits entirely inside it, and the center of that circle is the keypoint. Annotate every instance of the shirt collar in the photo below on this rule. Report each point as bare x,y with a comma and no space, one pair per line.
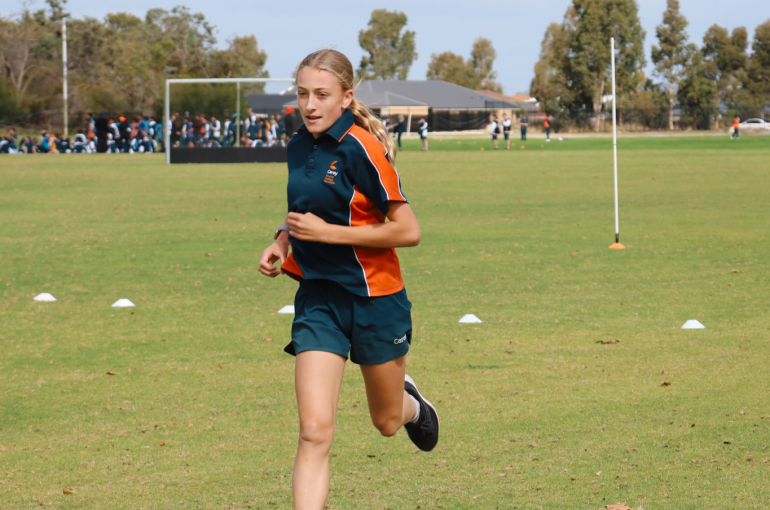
340,127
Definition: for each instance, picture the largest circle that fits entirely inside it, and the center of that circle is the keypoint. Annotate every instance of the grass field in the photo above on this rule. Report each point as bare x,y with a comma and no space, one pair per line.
200,410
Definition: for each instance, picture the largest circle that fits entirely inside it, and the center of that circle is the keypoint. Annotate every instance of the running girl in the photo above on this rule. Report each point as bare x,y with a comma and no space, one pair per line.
351,298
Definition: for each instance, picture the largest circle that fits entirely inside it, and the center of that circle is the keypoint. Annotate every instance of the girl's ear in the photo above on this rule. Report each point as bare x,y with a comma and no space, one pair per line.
347,98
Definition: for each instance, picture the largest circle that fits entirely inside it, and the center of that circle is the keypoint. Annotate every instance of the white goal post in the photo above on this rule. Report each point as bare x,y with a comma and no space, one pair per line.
237,81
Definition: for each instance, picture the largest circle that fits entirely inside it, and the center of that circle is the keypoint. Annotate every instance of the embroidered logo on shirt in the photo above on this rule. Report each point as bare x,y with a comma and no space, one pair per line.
400,340
331,173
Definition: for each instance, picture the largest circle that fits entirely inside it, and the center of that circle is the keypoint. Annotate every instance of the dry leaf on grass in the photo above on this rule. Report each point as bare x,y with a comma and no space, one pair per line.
612,341
620,506
268,339
735,271
665,383
219,367
162,443
67,490
111,373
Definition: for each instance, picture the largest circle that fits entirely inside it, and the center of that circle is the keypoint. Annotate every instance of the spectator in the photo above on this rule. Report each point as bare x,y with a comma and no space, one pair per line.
43,146
495,130
422,127
90,128
30,146
10,144
80,142
507,130
290,125
102,127
125,134
216,128
400,129
254,132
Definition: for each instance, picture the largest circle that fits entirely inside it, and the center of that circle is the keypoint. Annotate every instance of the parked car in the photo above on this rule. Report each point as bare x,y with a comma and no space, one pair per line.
754,124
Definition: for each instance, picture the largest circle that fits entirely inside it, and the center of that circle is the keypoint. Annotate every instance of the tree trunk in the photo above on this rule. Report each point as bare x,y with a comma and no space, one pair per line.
671,106
598,105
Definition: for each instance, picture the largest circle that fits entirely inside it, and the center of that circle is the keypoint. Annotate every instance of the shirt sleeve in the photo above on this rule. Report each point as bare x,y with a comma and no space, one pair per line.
377,178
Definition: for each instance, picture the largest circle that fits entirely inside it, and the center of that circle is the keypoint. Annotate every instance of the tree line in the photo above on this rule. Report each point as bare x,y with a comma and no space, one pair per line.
573,71
119,64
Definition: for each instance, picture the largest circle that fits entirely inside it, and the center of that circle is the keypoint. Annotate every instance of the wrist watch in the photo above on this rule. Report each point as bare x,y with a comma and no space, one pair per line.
282,228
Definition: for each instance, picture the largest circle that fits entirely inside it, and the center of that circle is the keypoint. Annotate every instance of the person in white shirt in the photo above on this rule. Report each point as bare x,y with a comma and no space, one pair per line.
216,128
422,127
507,122
80,143
495,130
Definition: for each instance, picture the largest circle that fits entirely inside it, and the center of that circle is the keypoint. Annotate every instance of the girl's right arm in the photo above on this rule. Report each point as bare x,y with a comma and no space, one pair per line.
279,250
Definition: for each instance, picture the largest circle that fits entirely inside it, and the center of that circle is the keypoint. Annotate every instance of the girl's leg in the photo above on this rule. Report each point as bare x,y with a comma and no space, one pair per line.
389,405
318,378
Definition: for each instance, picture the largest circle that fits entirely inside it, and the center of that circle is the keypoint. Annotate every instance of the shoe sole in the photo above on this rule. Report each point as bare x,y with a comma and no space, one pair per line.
411,381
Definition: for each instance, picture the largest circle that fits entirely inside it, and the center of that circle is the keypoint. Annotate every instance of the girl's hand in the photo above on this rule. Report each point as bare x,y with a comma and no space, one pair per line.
307,227
276,251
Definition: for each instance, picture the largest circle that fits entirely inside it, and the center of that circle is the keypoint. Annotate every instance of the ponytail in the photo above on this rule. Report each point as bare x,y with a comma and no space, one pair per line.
367,120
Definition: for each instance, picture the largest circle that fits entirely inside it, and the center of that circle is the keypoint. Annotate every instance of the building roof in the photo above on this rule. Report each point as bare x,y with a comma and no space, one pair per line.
436,94
271,103
528,103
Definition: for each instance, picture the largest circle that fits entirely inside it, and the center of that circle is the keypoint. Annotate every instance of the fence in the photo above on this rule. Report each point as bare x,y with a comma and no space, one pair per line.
565,121
651,119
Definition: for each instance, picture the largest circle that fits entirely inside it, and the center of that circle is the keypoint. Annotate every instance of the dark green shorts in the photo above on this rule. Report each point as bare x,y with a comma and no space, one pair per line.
328,317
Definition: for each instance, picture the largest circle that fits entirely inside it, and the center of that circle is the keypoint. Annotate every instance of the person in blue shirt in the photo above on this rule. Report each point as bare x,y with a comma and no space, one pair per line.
524,123
346,215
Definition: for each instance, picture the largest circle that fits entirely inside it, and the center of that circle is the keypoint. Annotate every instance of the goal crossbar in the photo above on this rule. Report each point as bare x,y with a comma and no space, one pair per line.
237,81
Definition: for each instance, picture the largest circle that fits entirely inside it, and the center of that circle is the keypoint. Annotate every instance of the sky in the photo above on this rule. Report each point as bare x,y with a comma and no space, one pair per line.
289,30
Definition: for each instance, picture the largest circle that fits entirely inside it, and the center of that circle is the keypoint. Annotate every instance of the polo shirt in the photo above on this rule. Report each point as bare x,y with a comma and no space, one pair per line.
344,177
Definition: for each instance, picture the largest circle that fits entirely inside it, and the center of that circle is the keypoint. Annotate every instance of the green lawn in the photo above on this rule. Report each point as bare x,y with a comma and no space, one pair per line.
535,413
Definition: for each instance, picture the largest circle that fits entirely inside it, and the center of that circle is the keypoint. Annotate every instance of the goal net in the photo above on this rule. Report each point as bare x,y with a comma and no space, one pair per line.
216,113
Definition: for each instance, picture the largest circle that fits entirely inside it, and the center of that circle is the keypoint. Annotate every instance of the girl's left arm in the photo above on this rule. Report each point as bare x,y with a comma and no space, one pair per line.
401,230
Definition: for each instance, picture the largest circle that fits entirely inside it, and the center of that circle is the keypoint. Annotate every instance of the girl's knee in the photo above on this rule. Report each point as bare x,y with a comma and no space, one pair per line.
316,432
387,425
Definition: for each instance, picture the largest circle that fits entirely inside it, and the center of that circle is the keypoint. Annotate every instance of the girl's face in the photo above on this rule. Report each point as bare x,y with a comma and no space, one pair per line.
321,99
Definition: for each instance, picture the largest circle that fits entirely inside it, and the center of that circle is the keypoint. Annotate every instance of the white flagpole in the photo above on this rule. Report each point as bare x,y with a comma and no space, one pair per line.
64,65
616,245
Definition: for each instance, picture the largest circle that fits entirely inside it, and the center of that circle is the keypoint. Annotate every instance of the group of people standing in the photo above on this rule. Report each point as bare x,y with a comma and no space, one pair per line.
505,127
399,129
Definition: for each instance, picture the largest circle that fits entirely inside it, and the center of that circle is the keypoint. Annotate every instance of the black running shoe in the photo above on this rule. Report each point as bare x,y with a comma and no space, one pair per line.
424,433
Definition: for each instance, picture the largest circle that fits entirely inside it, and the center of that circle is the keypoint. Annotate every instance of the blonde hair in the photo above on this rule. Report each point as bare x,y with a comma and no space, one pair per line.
338,64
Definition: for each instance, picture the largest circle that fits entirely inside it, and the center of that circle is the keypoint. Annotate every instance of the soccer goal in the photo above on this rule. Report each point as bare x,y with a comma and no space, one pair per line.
237,81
